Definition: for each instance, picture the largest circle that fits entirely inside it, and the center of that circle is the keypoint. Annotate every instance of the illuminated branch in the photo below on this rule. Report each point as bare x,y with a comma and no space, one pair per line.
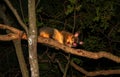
17,34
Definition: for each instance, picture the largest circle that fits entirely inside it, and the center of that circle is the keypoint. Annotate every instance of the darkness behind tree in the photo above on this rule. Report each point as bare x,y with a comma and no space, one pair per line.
97,20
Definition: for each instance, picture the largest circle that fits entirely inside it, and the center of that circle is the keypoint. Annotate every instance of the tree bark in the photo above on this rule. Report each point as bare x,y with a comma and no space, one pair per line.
32,39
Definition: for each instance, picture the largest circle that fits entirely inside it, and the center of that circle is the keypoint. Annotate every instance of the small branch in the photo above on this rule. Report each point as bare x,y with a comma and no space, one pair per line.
16,15
60,66
74,25
22,11
67,66
37,3
112,29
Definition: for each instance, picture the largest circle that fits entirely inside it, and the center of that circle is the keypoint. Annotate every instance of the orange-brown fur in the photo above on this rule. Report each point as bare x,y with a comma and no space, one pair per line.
62,37
68,38
43,34
58,36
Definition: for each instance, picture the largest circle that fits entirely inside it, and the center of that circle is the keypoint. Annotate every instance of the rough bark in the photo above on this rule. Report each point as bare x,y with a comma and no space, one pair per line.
32,39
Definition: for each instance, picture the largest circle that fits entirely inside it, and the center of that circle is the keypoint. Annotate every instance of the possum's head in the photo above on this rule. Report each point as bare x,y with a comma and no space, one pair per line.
73,40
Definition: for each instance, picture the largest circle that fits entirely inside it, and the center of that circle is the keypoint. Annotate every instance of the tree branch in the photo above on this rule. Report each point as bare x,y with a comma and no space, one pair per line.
94,73
17,34
16,15
79,52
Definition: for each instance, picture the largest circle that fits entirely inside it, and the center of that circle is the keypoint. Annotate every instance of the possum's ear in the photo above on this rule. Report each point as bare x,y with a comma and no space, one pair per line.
76,34
81,42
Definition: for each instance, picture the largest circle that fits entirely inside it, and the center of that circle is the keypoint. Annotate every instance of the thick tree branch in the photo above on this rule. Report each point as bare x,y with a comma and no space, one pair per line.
17,34
79,52
14,34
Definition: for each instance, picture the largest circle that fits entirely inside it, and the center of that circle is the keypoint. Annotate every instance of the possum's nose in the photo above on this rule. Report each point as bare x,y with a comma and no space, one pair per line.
74,44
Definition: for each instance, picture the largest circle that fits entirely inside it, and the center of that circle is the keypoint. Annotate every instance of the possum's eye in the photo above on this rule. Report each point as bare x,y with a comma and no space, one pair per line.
68,42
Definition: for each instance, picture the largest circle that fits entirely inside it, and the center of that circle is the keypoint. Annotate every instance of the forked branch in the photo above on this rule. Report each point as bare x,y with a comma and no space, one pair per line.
17,34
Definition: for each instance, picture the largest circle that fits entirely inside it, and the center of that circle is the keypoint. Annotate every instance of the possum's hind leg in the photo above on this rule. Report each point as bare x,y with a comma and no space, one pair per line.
58,36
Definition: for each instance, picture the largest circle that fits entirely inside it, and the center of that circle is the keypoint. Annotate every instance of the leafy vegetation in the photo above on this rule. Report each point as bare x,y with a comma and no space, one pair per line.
97,20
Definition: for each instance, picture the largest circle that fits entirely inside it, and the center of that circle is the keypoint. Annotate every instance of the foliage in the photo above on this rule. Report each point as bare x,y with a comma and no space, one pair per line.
94,43
73,6
97,20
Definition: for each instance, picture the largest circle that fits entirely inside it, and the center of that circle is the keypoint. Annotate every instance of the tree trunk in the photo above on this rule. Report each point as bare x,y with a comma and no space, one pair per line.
32,39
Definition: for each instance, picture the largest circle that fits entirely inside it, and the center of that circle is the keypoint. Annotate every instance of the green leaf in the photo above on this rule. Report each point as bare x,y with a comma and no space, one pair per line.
73,1
96,18
78,61
78,7
69,10
39,10
39,24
